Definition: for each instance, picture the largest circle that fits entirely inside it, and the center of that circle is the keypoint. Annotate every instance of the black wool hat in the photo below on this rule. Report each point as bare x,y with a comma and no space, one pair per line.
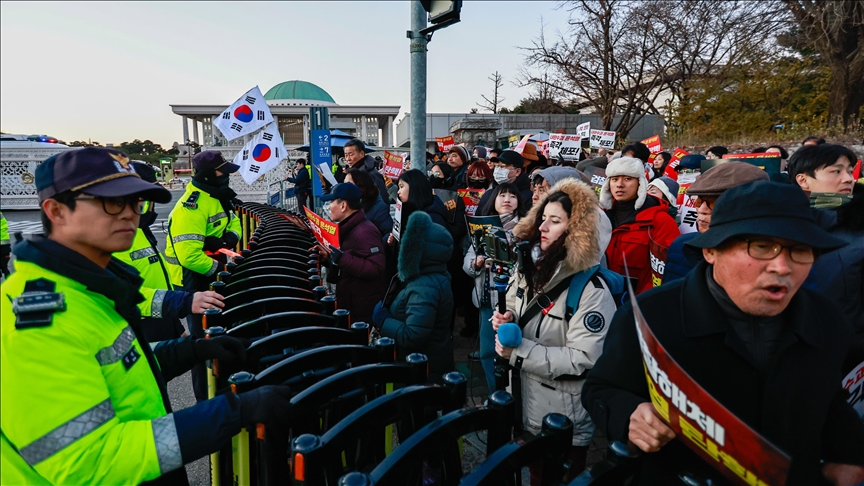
765,208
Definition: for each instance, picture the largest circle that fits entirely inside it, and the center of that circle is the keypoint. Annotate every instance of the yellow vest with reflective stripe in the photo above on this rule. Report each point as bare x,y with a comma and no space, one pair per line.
4,230
149,263
78,400
188,225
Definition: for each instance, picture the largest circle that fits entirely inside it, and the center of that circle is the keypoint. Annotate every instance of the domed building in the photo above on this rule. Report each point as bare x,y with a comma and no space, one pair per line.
289,103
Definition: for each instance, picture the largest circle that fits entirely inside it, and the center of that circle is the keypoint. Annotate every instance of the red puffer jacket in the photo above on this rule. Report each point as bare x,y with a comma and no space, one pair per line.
631,238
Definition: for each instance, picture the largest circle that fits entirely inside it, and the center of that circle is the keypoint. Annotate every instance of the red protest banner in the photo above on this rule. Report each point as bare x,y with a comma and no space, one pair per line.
444,143
296,221
653,144
657,253
701,422
687,209
471,198
856,173
326,232
393,165
670,171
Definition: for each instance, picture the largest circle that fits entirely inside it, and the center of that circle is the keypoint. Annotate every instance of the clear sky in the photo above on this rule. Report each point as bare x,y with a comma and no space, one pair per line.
107,71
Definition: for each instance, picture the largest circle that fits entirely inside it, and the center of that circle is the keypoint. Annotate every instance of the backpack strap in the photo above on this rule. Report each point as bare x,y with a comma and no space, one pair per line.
544,301
577,286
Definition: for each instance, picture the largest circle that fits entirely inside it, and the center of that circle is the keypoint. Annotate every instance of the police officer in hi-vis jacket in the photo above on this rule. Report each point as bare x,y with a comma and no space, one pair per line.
82,393
202,221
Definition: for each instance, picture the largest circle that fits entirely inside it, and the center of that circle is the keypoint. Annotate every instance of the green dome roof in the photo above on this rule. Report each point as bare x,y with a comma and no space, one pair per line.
298,90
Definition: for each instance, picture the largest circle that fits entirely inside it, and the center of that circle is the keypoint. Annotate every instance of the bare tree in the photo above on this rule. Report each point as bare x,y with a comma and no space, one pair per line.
835,29
494,104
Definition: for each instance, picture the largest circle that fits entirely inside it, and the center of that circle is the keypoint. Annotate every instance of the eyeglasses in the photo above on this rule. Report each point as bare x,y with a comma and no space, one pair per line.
707,200
768,250
116,205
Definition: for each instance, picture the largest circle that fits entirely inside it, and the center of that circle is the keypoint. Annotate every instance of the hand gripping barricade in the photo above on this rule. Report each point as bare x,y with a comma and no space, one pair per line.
357,441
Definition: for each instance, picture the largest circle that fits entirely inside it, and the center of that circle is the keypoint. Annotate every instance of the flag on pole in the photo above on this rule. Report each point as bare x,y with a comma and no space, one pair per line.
246,115
261,154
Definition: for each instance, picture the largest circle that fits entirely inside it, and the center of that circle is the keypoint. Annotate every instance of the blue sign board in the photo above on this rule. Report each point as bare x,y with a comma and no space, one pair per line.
319,152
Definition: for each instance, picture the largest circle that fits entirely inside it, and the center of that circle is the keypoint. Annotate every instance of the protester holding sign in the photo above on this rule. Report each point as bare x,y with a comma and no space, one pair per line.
767,350
358,263
509,207
377,211
637,220
825,172
706,190
561,340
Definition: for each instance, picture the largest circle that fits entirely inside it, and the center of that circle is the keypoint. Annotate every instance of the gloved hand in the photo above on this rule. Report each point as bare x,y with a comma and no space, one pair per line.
266,405
224,348
212,243
229,240
335,254
380,314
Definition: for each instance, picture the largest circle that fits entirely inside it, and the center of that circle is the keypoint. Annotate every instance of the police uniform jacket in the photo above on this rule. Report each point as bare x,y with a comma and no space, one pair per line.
196,216
797,403
83,397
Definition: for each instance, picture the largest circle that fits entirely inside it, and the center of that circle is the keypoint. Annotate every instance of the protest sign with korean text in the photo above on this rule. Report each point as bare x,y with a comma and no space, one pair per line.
677,155
687,209
657,254
584,130
598,177
479,226
444,143
701,422
653,144
261,154
854,384
767,161
567,146
244,116
326,232
393,165
471,198
602,139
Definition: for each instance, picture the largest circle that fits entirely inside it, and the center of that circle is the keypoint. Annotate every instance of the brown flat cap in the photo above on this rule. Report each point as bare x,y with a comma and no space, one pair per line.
725,176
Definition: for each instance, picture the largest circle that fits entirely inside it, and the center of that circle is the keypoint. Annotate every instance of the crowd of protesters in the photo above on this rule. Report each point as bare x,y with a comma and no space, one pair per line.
763,305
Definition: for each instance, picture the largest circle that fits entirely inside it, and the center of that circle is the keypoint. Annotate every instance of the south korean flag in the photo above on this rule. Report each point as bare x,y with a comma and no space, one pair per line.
246,115
261,154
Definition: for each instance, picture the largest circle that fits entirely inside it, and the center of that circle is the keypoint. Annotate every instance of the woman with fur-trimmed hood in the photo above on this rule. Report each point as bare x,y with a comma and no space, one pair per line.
555,354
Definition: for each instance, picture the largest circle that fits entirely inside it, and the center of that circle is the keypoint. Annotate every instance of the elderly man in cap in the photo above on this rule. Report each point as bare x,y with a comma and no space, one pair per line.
201,223
744,329
359,262
84,397
707,188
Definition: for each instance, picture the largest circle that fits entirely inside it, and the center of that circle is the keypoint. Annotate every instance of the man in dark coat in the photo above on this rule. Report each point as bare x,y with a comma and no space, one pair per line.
359,263
356,158
302,184
743,328
509,167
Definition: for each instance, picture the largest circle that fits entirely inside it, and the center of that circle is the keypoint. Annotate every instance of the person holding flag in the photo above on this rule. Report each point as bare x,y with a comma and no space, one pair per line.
202,221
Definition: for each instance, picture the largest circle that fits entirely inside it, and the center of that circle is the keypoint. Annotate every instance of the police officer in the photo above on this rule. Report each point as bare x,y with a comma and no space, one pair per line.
163,305
5,247
202,221
82,394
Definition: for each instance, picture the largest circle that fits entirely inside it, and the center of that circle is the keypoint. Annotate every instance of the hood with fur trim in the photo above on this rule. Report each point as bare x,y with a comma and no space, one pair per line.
424,247
625,166
583,229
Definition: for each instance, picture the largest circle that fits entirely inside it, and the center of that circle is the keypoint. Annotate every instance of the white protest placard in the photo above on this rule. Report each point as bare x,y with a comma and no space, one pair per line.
397,221
565,145
602,139
584,130
687,209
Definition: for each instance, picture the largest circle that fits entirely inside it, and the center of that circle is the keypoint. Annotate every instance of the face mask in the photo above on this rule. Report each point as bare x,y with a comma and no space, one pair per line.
477,184
436,182
147,219
223,180
501,175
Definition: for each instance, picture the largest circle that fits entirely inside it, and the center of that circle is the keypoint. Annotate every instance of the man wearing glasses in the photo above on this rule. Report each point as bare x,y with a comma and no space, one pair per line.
83,398
707,188
743,328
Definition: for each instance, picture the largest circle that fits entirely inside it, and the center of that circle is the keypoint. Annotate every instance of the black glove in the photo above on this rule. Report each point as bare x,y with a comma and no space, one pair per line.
335,255
265,405
223,348
212,243
229,240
